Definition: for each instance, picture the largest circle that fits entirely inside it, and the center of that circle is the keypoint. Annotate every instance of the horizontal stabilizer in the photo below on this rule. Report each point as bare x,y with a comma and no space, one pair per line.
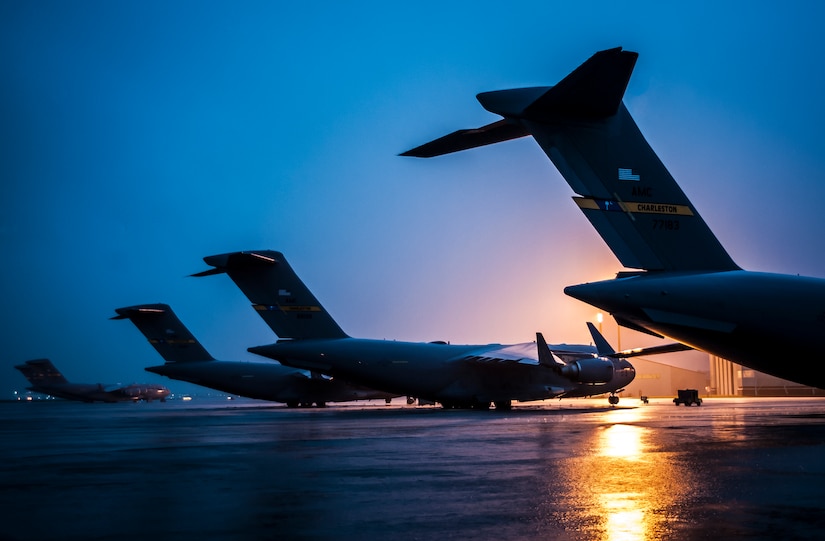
208,272
496,132
593,90
237,261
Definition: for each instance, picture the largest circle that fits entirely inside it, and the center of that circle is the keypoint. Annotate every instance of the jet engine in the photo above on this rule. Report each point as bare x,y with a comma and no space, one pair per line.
588,371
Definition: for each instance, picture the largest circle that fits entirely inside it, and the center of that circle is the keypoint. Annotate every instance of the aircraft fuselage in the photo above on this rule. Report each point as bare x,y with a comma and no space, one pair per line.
450,374
761,320
265,381
95,392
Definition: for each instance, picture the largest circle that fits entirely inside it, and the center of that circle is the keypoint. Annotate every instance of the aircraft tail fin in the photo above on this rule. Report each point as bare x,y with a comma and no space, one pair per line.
625,191
630,197
277,293
41,372
167,334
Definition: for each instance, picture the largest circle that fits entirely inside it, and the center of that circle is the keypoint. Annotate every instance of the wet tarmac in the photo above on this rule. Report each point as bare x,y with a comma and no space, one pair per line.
573,470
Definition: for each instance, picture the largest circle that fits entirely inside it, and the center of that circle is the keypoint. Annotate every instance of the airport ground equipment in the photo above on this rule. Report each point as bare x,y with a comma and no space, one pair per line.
688,397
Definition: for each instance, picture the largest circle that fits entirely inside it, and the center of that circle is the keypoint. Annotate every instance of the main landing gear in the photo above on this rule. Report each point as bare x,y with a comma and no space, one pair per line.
297,404
501,405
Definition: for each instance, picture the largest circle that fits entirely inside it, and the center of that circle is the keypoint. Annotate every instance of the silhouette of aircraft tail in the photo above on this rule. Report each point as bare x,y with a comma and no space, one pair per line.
167,334
277,294
41,372
625,191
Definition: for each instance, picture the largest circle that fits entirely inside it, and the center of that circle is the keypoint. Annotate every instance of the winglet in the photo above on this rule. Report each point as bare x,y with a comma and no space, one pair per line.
545,355
602,347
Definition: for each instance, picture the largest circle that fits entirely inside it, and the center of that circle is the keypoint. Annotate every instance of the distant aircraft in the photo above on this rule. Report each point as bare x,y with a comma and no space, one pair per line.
47,379
187,360
457,376
688,288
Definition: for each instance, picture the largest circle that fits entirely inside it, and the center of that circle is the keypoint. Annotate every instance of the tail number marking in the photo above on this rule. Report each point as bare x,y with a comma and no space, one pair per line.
665,225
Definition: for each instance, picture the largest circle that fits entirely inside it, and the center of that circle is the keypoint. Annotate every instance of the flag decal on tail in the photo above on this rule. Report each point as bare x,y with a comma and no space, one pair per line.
627,174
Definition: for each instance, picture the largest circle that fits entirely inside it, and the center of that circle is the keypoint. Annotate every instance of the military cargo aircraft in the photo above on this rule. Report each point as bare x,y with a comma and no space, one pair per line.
47,379
456,376
683,284
187,360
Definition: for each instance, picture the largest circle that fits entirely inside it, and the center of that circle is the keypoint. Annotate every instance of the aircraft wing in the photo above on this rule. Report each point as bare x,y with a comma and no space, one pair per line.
495,354
654,350
526,354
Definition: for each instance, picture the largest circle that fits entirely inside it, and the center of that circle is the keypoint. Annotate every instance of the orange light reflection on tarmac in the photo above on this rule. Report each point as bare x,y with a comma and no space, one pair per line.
624,490
625,517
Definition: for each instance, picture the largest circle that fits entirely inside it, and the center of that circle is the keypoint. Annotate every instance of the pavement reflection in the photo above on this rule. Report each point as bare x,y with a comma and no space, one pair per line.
624,488
577,470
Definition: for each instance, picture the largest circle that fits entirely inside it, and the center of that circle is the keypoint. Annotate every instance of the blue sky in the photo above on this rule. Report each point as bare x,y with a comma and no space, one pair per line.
137,138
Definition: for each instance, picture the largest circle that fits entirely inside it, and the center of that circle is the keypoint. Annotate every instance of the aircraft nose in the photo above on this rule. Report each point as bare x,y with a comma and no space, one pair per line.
624,371
629,371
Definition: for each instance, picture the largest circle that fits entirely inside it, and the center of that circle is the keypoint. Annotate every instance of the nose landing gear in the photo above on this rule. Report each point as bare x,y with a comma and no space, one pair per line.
613,399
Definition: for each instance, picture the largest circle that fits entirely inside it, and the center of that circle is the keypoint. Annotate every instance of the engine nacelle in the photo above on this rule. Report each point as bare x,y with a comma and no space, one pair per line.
589,371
